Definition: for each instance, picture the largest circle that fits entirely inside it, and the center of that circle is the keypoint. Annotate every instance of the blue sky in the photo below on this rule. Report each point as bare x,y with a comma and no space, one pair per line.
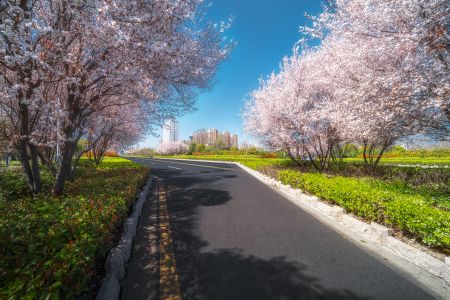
265,31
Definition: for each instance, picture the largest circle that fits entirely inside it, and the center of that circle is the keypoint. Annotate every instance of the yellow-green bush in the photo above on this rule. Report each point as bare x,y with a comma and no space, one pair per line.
378,201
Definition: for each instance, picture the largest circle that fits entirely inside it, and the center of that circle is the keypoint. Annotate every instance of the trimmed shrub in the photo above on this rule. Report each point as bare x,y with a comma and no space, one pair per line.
376,201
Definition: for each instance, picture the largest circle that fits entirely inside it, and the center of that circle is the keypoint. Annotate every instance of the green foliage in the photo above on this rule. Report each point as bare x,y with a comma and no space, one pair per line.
201,148
375,200
234,150
213,149
404,160
423,153
352,154
144,152
351,150
13,184
192,148
50,245
82,145
397,149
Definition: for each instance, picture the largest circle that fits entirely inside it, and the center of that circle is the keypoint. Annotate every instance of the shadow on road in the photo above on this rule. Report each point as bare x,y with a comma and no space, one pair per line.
227,273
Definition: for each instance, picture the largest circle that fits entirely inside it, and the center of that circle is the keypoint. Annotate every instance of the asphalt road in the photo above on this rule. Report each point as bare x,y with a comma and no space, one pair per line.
232,237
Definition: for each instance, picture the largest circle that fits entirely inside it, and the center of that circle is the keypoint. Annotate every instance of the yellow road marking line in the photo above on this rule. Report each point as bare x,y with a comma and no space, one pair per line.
168,276
212,167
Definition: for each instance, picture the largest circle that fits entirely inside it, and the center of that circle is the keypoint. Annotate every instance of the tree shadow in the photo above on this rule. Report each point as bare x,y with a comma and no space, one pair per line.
228,273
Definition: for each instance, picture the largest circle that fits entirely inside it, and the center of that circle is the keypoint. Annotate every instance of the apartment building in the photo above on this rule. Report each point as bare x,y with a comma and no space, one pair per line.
212,136
170,131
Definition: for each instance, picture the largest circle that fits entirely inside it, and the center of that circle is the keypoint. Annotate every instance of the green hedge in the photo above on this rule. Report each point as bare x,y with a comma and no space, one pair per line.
408,160
251,161
377,201
49,246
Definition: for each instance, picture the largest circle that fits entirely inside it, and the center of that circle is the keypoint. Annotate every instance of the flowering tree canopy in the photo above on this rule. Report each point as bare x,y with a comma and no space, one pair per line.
172,148
64,63
379,74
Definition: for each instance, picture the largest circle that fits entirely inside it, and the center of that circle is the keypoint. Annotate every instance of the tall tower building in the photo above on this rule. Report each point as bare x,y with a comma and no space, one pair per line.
225,139
200,137
170,131
234,140
213,134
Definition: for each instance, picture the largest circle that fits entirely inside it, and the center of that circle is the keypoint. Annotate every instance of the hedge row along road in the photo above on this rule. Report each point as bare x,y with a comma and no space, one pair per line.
232,237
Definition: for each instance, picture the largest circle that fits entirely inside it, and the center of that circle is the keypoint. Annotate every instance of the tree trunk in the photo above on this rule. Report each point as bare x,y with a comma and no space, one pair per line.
28,152
295,160
37,186
48,161
385,146
24,159
316,166
76,161
365,143
63,170
70,169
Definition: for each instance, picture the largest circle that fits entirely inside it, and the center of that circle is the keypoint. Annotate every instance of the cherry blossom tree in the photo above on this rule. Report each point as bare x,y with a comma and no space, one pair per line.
64,63
172,148
380,74
143,51
291,111
21,44
5,136
115,129
389,61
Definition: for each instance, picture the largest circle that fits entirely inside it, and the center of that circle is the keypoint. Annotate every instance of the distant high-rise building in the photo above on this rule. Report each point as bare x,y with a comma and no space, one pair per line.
234,140
213,134
200,137
170,131
224,139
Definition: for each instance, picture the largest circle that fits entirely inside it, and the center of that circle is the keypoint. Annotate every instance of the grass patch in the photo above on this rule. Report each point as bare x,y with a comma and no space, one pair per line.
13,163
432,160
49,245
252,161
406,160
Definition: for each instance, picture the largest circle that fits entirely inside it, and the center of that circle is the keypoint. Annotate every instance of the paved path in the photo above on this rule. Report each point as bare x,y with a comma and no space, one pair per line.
232,237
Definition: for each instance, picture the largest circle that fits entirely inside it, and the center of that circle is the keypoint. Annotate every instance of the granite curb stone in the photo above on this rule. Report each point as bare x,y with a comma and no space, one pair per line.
121,254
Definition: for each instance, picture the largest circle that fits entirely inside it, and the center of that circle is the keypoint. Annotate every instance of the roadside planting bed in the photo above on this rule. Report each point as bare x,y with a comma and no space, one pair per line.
413,160
54,247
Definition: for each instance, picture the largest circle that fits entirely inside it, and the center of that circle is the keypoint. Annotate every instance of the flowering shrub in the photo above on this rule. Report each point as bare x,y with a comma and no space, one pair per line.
50,245
172,148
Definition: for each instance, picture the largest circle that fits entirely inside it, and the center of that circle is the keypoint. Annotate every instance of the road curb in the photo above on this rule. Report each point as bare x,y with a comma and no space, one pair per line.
120,255
373,232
